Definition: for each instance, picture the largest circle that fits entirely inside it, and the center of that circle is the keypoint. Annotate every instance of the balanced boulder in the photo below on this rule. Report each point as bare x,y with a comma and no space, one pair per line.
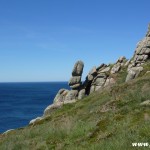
78,68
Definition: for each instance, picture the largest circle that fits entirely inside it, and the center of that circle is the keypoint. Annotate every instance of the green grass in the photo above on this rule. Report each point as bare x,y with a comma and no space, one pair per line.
109,120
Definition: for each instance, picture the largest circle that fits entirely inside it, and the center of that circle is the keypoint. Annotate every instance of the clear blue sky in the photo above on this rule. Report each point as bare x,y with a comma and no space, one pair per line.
41,40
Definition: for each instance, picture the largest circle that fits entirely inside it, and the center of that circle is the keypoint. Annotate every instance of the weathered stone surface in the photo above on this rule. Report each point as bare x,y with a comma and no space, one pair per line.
97,87
131,75
133,72
60,97
115,68
121,59
52,108
110,81
75,86
74,80
72,94
78,68
142,54
102,66
100,81
92,89
107,69
90,77
81,94
70,102
93,71
127,63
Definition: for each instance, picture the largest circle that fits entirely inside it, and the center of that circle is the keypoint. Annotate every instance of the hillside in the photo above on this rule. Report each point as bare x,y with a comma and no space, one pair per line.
110,110
111,118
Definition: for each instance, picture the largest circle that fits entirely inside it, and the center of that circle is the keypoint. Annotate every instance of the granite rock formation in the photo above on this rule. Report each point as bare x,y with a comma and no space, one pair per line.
100,77
141,55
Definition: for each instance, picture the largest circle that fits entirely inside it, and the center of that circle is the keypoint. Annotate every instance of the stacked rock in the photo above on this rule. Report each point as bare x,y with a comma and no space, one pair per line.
141,55
75,81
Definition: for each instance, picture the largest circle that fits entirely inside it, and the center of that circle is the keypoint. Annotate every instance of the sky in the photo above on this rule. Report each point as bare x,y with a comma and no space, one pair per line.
41,40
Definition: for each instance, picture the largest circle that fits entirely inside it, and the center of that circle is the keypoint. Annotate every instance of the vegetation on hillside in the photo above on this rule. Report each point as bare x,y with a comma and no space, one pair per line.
109,119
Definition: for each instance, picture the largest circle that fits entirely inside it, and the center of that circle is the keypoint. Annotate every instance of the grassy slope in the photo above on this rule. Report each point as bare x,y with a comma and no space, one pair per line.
110,119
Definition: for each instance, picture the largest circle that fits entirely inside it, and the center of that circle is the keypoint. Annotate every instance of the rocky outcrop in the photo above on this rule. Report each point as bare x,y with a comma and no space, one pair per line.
65,96
100,77
141,55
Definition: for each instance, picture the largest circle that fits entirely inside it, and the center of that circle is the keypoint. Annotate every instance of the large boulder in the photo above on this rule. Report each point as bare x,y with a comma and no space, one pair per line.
72,95
110,81
78,68
75,82
115,68
60,97
81,94
52,108
133,73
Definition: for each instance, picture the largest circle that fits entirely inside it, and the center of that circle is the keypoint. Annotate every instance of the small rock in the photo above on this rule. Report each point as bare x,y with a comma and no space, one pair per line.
115,68
35,120
145,103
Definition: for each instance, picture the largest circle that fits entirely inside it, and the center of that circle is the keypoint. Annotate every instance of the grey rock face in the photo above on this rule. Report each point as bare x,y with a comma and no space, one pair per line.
127,63
120,62
115,68
81,94
110,81
107,69
72,94
133,73
78,68
101,67
60,97
75,86
142,54
75,80
52,108
92,89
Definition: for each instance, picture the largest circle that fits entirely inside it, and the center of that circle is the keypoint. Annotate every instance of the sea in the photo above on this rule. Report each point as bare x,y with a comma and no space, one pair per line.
22,102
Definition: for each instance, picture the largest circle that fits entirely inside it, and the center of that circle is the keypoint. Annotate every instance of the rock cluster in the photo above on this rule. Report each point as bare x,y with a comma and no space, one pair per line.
100,77
141,55
120,62
68,96
97,78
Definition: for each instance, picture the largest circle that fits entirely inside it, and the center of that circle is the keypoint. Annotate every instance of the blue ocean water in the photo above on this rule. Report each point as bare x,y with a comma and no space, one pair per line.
22,102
